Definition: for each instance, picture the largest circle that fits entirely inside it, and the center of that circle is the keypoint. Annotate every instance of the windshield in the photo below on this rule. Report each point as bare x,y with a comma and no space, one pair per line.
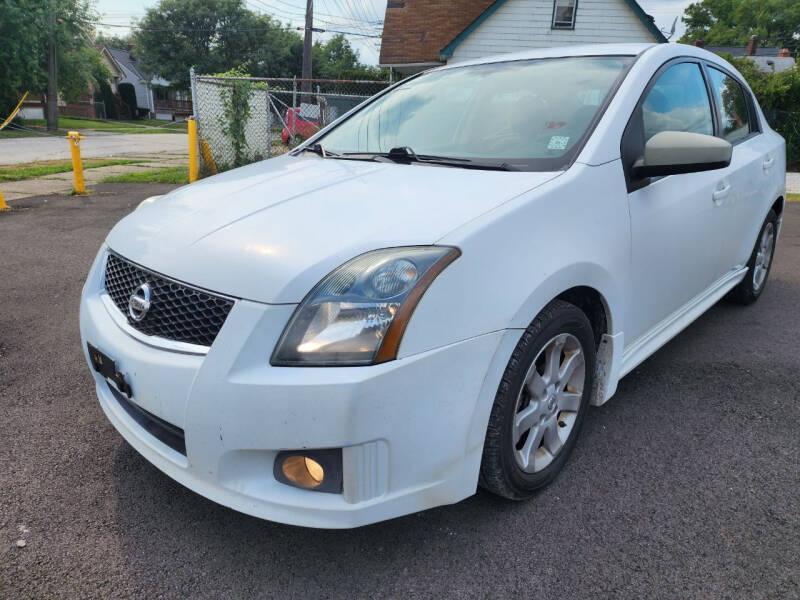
533,114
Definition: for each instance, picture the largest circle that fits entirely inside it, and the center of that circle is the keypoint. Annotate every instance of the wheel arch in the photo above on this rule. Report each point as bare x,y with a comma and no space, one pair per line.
588,286
778,205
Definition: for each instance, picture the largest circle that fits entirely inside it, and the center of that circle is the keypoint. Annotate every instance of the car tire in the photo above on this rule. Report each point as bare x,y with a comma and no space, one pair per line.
518,461
750,288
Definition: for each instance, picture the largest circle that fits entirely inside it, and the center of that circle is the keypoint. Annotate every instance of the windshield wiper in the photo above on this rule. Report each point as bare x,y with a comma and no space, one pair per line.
405,155
318,150
465,163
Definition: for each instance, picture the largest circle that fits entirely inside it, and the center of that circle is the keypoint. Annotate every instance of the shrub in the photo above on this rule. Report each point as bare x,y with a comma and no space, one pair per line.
236,113
105,94
128,95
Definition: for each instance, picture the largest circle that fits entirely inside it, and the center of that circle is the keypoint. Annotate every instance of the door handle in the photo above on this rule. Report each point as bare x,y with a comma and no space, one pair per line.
767,164
721,193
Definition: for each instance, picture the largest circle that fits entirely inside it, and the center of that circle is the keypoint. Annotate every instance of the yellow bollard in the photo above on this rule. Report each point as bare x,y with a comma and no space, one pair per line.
3,205
193,166
77,167
208,158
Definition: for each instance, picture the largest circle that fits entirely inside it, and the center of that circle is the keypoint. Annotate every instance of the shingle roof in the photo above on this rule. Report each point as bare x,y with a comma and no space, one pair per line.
420,31
415,31
739,50
124,59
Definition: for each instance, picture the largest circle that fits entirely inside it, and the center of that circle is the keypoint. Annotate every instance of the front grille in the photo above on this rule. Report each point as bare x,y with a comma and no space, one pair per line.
177,311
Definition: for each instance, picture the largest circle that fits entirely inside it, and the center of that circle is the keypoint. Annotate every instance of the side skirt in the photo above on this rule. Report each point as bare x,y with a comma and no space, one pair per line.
649,342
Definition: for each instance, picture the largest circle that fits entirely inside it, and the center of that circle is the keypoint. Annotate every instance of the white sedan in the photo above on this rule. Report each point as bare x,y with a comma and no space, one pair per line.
429,294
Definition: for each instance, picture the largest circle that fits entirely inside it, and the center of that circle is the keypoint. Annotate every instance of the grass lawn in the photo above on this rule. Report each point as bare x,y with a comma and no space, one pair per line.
166,175
77,124
15,133
793,197
32,171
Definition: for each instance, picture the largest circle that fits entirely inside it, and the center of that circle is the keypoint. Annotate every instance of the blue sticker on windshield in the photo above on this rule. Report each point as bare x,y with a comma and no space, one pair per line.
558,142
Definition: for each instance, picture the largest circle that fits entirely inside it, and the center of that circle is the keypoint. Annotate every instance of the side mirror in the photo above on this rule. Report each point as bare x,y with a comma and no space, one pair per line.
675,152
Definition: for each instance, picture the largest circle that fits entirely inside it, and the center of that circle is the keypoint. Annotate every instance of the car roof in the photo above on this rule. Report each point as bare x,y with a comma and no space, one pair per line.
558,52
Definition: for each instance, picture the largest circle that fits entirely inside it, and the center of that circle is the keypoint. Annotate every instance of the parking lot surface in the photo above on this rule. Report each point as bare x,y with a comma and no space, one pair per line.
685,485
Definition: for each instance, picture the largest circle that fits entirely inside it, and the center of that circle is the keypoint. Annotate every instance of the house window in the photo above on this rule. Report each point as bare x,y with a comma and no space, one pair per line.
564,14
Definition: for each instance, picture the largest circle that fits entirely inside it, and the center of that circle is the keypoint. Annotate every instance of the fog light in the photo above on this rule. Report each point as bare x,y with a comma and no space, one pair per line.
303,471
313,470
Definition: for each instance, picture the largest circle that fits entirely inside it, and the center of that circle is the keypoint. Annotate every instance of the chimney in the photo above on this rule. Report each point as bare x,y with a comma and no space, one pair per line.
752,46
700,44
784,53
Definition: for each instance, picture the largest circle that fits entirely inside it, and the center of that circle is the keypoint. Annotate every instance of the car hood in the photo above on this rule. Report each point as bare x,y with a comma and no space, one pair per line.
270,231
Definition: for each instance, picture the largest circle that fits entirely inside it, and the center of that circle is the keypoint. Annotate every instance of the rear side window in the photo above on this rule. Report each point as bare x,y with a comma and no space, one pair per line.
678,102
732,103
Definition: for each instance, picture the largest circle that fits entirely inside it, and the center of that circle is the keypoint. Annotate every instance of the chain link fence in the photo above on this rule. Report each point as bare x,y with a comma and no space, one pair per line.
245,119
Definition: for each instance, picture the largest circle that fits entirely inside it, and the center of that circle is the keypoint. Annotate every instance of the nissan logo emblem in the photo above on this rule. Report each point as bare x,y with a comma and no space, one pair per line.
139,303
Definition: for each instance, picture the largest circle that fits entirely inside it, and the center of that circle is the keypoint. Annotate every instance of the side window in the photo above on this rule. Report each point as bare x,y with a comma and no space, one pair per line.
732,104
564,14
678,102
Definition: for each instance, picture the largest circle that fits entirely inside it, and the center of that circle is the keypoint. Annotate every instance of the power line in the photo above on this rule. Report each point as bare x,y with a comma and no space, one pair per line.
190,30
318,30
297,11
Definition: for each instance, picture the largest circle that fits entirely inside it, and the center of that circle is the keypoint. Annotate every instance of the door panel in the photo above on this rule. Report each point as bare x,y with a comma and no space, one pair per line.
676,234
676,238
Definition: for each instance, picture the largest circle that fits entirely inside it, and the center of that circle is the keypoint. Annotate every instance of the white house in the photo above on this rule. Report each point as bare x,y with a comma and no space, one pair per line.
123,70
418,34
153,93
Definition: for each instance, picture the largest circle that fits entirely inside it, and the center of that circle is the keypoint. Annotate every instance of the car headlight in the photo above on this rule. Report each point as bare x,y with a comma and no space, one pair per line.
147,201
358,313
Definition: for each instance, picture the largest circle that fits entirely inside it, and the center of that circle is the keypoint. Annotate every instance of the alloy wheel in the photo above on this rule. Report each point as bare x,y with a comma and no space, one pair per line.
763,256
548,403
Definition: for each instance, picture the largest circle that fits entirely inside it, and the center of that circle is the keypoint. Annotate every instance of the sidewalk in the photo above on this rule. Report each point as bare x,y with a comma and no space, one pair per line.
62,183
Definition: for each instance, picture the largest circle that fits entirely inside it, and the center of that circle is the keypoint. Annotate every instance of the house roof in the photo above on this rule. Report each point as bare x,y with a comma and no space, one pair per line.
124,59
415,31
421,32
740,50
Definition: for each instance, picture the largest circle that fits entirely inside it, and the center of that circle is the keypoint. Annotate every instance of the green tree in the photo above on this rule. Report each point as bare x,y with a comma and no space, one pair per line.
732,22
25,30
212,36
337,59
115,41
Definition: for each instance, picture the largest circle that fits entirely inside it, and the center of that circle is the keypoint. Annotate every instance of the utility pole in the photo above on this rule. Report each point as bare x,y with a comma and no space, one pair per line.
52,75
307,47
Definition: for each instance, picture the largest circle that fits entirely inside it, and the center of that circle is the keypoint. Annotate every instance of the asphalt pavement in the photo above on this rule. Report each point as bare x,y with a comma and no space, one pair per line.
685,485
96,144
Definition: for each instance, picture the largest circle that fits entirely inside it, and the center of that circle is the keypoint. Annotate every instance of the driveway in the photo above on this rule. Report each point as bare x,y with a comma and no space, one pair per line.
685,485
96,144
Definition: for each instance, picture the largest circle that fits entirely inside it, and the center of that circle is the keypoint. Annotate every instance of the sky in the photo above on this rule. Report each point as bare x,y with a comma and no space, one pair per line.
357,16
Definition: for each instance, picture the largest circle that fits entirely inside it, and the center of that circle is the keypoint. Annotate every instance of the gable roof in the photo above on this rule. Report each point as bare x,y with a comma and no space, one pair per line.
415,31
124,59
419,32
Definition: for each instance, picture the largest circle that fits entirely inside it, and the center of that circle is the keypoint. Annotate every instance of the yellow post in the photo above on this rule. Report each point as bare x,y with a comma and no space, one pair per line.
3,205
208,157
77,166
193,166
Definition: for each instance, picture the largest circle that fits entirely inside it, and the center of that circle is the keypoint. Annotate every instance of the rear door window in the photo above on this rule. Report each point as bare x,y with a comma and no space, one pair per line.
732,103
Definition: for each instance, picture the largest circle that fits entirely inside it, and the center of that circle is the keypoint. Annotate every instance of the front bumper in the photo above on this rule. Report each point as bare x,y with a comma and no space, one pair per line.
407,427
